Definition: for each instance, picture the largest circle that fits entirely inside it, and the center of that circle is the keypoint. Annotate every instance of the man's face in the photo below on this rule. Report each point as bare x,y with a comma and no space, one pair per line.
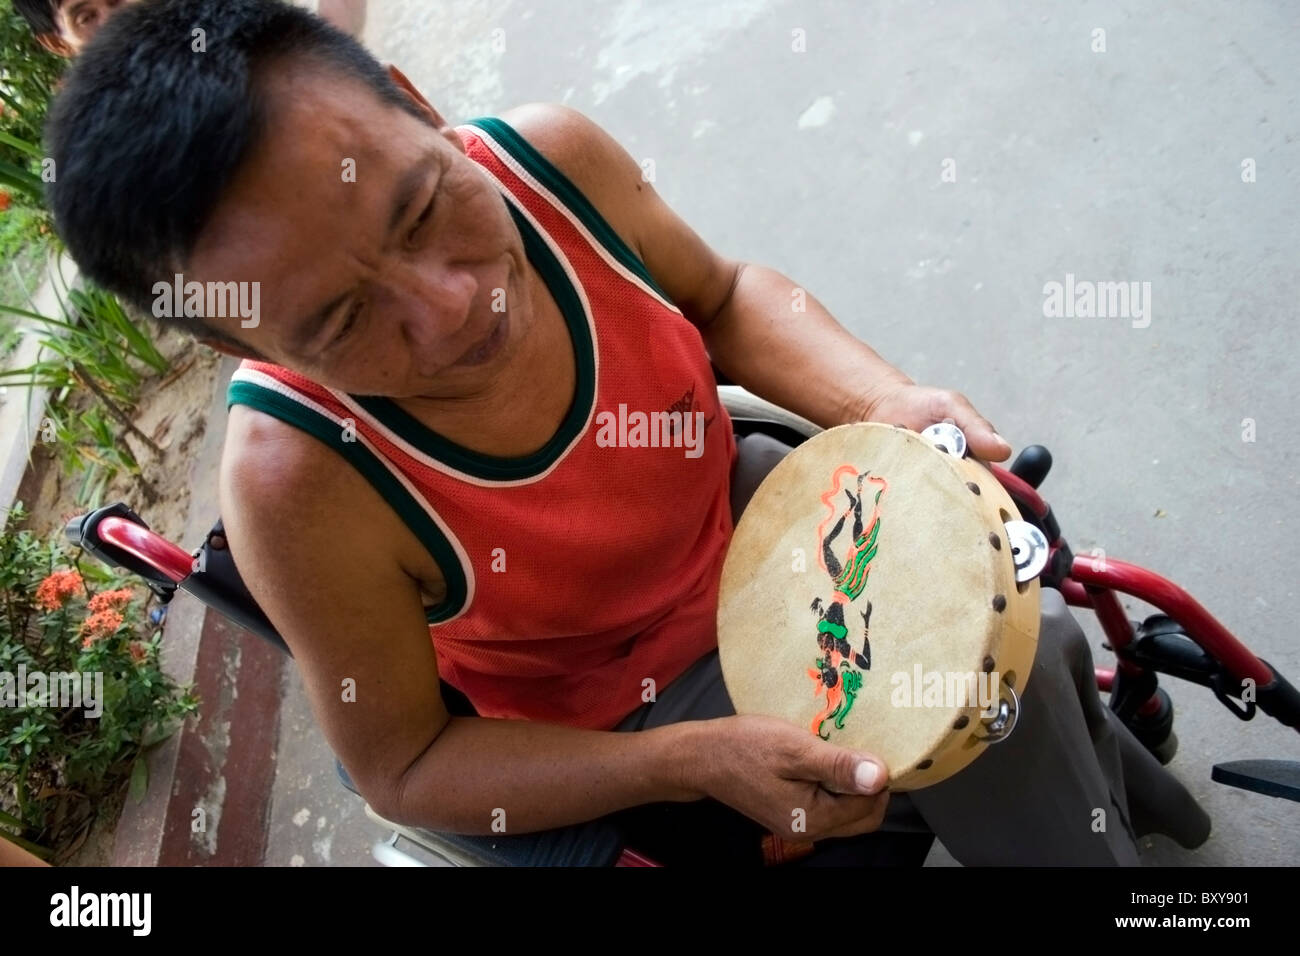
385,256
79,20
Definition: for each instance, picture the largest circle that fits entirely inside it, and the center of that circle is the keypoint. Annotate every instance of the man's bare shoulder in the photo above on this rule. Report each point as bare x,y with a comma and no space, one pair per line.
300,497
591,158
268,465
286,484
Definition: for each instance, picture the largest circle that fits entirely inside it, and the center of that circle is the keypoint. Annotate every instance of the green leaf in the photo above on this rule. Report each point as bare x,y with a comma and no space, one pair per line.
31,149
15,177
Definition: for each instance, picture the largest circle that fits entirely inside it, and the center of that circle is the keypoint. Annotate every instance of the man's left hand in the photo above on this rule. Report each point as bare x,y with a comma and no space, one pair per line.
919,406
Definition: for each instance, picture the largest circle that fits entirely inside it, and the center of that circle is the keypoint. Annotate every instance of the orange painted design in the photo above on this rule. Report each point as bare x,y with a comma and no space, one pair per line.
830,508
834,695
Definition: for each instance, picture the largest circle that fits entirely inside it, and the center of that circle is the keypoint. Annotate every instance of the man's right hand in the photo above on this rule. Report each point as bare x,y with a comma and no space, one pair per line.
799,787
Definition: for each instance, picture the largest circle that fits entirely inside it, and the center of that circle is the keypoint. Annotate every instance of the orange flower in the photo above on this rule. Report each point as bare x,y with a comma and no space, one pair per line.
5,200
54,591
106,600
139,653
101,624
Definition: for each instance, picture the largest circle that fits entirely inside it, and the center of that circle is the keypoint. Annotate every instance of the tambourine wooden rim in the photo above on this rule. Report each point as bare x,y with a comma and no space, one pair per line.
867,562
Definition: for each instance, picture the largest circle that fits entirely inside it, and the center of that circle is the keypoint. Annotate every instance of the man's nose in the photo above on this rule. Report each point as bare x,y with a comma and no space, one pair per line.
436,304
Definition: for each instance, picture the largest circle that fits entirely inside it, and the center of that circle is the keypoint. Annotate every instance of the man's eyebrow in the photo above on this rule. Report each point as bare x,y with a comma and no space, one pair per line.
308,330
408,188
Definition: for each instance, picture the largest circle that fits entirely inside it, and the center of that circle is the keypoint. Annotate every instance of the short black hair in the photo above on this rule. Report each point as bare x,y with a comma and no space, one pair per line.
39,14
147,134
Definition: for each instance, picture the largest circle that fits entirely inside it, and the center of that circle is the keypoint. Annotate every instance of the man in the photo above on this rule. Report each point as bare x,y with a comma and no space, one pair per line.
412,448
64,27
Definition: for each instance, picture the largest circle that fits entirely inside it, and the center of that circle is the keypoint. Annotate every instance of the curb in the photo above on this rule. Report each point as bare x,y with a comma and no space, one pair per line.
23,409
208,800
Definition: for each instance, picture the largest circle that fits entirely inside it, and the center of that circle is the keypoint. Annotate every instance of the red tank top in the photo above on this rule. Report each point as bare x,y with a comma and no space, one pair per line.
577,575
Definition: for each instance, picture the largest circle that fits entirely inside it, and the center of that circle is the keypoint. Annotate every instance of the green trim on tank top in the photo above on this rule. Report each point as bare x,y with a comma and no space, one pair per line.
567,193
374,471
491,467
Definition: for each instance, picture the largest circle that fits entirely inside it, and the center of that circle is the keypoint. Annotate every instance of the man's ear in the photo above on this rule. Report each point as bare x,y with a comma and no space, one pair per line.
441,125
55,43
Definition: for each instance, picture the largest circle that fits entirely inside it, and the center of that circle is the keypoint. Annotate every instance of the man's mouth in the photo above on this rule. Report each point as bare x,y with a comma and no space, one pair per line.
489,347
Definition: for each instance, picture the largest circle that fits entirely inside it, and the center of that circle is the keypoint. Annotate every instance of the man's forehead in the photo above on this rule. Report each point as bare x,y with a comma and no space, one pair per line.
323,140
324,171
298,94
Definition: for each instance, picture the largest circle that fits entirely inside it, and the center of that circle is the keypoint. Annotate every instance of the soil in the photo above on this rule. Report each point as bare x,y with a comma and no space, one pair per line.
171,411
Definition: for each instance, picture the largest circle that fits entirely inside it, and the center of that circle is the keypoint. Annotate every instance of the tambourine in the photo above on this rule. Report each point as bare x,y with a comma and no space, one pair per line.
880,591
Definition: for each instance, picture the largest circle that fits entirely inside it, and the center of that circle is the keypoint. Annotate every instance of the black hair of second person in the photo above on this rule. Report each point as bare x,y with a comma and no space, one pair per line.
147,133
39,14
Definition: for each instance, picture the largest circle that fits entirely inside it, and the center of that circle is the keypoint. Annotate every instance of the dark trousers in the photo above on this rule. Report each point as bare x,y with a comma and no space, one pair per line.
1070,786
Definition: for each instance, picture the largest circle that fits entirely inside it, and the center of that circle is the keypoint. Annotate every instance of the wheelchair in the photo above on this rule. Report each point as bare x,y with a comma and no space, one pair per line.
1182,640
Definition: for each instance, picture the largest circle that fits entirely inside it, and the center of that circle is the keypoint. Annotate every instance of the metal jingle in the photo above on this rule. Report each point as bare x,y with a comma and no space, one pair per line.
999,725
948,437
1029,549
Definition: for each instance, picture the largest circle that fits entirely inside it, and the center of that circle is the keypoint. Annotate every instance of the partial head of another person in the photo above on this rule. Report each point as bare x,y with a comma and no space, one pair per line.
64,27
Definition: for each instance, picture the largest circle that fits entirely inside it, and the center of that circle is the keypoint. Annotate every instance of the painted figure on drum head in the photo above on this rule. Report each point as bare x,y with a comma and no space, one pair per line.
837,674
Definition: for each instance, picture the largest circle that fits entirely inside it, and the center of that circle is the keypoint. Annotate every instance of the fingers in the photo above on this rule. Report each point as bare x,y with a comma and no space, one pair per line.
982,438
826,815
850,816
841,770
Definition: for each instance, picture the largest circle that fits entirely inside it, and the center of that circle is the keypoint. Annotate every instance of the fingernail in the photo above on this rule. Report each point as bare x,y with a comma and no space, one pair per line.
1001,440
866,776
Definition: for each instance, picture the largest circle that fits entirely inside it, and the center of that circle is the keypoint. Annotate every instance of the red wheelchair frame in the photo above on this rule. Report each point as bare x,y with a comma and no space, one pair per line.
1184,641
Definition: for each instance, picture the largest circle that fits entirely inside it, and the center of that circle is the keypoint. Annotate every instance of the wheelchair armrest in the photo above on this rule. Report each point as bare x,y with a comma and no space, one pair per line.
751,413
217,583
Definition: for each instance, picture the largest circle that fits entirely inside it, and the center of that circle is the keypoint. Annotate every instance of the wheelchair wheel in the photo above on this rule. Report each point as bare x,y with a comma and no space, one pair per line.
1165,752
1156,730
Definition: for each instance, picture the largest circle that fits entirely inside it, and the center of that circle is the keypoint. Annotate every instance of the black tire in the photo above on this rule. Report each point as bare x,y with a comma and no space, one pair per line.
1156,731
1165,752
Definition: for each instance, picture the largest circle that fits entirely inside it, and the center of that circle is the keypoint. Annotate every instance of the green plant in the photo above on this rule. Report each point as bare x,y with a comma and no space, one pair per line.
58,759
94,348
27,81
28,76
95,344
18,176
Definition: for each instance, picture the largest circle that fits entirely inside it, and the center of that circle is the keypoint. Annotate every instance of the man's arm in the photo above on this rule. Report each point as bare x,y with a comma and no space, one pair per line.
762,330
331,565
316,546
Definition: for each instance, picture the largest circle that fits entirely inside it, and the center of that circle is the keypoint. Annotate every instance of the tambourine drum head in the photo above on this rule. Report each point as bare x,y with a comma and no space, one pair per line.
864,598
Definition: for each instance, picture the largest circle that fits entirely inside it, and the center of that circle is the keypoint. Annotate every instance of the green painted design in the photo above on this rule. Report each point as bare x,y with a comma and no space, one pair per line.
852,679
839,631
853,579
